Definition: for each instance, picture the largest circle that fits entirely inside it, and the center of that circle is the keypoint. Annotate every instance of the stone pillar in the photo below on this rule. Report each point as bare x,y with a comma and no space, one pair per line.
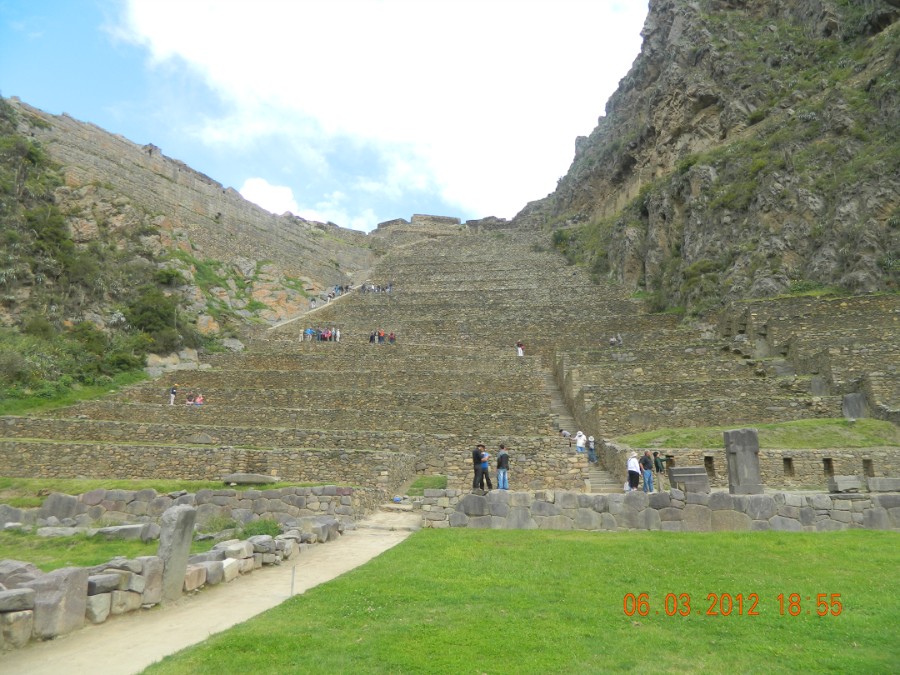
742,456
176,534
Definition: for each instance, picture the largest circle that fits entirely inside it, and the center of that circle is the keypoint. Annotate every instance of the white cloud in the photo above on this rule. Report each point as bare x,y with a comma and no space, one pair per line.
479,100
274,198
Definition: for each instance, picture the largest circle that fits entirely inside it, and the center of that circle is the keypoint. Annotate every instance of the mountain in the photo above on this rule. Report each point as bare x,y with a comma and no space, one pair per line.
751,150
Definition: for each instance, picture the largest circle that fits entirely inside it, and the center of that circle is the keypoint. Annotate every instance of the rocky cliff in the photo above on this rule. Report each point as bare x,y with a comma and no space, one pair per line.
751,150
235,258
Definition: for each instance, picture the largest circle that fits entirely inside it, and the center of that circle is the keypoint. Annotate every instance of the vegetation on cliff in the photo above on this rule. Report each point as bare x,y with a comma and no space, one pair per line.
751,151
52,286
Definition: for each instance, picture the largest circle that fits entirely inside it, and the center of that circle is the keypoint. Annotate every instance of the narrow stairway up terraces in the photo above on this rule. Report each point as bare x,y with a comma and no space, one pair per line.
375,415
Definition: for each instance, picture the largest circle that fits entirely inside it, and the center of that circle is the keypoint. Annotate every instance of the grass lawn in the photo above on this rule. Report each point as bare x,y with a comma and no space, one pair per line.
50,553
796,435
419,485
492,601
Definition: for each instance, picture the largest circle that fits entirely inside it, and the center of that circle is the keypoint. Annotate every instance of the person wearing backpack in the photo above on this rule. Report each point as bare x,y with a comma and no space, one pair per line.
503,468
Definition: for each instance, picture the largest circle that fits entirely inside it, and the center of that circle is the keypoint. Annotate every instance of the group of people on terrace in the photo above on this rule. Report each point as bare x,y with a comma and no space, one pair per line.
581,442
379,337
322,334
644,469
481,465
377,288
190,399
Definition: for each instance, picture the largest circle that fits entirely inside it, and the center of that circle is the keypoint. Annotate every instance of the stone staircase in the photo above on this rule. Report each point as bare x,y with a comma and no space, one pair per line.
378,415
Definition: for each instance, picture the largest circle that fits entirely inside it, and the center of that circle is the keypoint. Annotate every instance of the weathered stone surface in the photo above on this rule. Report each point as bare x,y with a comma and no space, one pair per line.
659,500
830,525
124,601
761,507
246,478
782,524
696,518
649,519
722,521
701,498
636,500
98,607
231,569
876,518
544,509
262,543
553,522
671,514
194,577
153,579
16,599
879,484
480,522
518,518
459,519
742,456
16,629
60,506
719,501
588,519
60,601
177,525
844,484
103,583
886,501
9,514
124,532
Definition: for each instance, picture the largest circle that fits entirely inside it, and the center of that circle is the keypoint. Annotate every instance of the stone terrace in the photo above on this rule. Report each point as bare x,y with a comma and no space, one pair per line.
377,415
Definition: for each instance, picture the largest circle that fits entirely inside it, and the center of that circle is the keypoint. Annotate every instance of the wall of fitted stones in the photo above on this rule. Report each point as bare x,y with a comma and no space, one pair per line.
147,506
808,465
674,511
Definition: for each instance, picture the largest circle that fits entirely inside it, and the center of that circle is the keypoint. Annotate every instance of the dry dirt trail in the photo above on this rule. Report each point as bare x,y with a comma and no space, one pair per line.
129,643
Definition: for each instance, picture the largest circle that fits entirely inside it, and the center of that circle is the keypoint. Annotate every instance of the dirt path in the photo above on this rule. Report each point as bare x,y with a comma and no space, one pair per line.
129,643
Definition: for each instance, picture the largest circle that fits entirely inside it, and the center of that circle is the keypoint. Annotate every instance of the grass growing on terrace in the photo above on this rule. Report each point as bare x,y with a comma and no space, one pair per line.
483,601
799,434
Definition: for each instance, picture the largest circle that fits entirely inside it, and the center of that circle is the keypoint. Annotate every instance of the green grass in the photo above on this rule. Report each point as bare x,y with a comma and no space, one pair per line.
482,601
422,483
50,553
21,406
799,434
30,492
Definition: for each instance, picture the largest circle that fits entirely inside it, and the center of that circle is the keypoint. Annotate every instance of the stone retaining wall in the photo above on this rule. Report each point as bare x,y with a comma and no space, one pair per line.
674,511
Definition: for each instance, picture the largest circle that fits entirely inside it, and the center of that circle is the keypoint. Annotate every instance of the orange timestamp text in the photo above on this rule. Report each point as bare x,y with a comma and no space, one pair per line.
728,604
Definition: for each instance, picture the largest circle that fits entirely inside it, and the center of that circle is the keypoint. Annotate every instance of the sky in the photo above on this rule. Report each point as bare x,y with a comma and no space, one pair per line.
346,111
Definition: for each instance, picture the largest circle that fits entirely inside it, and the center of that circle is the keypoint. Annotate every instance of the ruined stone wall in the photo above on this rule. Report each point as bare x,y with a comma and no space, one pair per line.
672,511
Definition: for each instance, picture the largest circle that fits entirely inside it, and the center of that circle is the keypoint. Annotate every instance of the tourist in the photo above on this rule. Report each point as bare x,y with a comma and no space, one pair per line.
199,400
520,348
592,450
486,470
173,392
392,338
190,398
337,334
647,469
502,468
381,336
660,466
477,481
580,442
565,434
372,338
634,472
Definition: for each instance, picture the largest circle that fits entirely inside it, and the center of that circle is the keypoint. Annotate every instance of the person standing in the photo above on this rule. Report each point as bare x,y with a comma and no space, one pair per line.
478,480
647,469
660,465
580,442
592,450
173,392
486,470
503,468
634,472
520,348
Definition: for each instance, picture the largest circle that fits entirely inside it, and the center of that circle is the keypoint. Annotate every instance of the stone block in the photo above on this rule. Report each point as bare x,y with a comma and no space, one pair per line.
615,503
16,599
544,509
671,526
782,524
659,500
153,579
876,518
566,500
696,518
609,522
520,498
459,519
820,502
677,494
886,501
742,457
844,484
60,602
831,525
883,484
789,512
588,519
262,543
649,519
670,514
636,500
761,507
518,518
480,522
807,516
231,569
215,554
98,607
499,509
720,501
60,506
238,550
554,523
16,629
729,521
175,539
760,526
122,602
793,499
103,583
246,565
194,577
701,498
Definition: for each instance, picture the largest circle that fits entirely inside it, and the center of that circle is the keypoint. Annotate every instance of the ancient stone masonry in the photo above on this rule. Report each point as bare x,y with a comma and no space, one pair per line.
35,605
672,511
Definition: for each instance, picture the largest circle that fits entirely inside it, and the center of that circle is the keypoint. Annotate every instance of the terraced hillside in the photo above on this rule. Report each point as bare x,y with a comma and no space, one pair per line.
379,414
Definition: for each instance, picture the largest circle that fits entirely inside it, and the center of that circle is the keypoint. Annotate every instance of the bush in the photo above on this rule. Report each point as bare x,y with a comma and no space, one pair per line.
262,526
